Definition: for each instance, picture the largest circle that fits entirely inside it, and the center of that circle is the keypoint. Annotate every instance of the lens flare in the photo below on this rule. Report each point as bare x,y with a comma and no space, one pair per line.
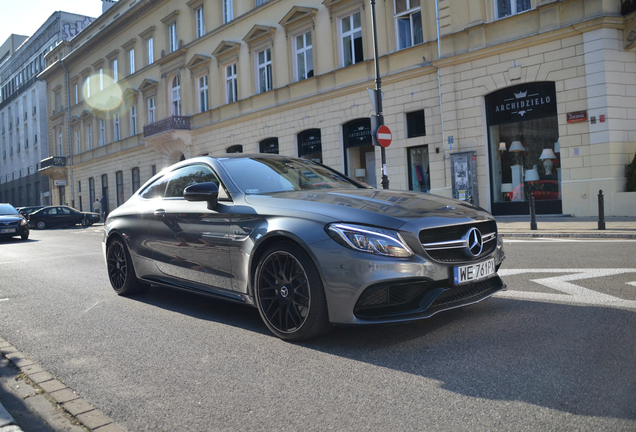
102,92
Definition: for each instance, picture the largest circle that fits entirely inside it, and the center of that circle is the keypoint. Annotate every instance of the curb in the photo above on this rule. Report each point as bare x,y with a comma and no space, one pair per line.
56,392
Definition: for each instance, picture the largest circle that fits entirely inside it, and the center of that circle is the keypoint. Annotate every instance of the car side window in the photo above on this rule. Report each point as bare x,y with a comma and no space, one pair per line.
187,176
64,211
52,211
156,189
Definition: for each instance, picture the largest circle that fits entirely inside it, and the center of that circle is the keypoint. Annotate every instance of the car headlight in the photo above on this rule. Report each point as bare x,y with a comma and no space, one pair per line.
23,222
372,240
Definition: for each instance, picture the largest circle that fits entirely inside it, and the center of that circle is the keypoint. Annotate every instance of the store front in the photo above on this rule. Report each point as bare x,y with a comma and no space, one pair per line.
523,149
310,145
359,152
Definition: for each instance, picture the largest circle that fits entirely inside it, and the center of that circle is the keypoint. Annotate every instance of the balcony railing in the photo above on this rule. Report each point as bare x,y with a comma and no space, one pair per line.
53,161
167,124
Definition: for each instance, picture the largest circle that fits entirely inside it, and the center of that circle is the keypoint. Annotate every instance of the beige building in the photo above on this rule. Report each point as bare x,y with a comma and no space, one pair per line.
495,100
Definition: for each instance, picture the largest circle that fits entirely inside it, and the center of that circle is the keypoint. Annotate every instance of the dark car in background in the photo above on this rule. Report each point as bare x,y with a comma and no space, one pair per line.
61,216
306,245
28,210
12,223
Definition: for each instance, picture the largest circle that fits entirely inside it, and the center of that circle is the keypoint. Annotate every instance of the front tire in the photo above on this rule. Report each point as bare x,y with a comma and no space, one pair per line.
121,272
289,293
85,222
41,225
25,236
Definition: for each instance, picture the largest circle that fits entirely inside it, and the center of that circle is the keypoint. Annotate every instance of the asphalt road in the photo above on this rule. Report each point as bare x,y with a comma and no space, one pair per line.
557,351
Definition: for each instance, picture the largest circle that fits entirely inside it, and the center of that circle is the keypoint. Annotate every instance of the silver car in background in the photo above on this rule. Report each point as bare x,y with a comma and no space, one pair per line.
308,246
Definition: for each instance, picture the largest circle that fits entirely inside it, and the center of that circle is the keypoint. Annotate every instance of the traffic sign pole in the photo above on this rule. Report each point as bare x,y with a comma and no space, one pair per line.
378,94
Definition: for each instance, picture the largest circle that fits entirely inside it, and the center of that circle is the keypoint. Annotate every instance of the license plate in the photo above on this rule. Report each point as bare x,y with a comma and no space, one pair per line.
7,230
474,272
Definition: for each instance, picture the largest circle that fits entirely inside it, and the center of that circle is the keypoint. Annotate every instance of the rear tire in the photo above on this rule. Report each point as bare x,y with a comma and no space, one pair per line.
289,293
121,272
41,225
85,222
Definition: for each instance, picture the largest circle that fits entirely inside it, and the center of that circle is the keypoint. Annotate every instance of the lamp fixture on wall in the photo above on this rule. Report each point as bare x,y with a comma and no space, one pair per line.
502,146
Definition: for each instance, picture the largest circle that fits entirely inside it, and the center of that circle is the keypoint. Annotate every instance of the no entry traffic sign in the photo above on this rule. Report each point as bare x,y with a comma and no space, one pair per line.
384,136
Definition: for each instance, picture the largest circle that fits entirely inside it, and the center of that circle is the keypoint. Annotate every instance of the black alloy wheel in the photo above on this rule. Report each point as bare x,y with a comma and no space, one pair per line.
289,293
121,272
41,225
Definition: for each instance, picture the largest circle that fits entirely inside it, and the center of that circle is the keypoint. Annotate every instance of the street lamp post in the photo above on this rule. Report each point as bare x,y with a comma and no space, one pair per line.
378,94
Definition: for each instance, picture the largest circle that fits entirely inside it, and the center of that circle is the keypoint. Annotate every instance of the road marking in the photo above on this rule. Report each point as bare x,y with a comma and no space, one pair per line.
573,294
4,299
631,283
50,258
568,240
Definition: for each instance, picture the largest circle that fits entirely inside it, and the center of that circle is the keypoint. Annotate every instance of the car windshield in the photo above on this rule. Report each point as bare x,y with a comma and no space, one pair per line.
7,210
266,175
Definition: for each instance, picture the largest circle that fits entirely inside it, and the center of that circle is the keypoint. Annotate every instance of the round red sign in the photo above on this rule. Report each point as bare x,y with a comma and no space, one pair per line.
384,136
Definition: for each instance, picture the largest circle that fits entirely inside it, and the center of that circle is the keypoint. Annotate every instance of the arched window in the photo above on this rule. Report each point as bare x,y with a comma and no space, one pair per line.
176,96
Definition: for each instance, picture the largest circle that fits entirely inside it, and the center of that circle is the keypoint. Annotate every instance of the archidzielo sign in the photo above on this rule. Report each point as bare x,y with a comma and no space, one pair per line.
523,102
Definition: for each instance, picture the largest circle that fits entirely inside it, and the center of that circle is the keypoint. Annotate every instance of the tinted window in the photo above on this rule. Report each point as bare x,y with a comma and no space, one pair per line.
51,211
415,125
266,175
6,209
156,189
186,176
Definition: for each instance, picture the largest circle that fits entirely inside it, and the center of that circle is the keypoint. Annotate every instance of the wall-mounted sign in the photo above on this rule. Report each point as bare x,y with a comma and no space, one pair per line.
523,102
59,182
577,116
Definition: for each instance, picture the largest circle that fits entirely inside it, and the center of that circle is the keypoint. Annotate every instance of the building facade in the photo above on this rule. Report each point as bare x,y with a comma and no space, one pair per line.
489,100
23,114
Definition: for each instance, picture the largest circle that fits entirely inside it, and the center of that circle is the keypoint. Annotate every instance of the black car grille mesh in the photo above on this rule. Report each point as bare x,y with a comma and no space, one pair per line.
467,292
9,224
409,299
456,232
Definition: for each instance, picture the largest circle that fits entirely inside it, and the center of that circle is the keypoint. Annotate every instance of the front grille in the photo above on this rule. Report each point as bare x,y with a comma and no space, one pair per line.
456,252
466,293
9,224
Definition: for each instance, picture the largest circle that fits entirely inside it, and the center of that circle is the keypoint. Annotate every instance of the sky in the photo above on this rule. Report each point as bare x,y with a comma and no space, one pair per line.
24,17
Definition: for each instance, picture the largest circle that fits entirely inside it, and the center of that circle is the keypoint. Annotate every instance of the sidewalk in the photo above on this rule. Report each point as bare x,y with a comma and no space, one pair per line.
567,226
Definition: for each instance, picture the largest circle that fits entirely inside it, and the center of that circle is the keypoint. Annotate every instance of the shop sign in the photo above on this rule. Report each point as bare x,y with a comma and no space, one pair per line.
520,103
310,142
59,182
358,133
577,116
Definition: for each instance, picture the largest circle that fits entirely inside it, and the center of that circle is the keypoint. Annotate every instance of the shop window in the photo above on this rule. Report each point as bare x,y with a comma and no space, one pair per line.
419,174
135,179
415,125
269,145
310,145
359,152
235,149
119,183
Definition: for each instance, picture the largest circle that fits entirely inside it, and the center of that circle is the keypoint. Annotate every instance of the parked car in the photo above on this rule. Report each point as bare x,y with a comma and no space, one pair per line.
12,223
28,210
59,216
306,245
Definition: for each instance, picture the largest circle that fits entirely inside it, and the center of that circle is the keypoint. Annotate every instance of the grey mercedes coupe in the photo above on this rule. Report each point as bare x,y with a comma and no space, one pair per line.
306,245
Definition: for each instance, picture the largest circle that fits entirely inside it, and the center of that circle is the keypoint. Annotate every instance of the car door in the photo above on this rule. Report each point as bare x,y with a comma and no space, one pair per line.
190,242
65,217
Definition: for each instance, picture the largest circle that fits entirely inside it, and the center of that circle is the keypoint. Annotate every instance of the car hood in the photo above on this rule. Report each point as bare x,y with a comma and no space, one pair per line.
10,218
371,206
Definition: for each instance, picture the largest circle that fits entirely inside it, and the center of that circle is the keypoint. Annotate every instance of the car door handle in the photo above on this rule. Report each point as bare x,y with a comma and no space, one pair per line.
160,212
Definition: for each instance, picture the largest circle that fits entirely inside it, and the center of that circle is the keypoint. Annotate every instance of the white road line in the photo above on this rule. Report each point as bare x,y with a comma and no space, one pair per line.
50,258
631,283
567,240
572,294
4,299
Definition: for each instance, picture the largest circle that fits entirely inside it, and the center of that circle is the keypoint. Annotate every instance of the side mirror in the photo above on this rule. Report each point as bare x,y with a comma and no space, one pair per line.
203,192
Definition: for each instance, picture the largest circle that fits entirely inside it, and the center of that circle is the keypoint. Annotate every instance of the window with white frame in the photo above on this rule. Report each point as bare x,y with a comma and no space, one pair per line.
351,39
78,148
116,134
203,93
150,55
133,120
264,70
504,8
102,132
172,35
228,11
59,142
87,86
231,83
151,110
89,137
176,96
199,22
76,94
101,79
408,23
260,2
304,56
113,66
131,61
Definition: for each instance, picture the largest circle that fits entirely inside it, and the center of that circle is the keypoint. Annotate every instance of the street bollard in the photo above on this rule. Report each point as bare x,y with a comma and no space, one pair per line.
533,215
471,200
601,210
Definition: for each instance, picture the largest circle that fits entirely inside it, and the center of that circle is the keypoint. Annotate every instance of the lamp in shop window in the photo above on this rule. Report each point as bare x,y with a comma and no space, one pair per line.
502,146
547,155
532,175
516,146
